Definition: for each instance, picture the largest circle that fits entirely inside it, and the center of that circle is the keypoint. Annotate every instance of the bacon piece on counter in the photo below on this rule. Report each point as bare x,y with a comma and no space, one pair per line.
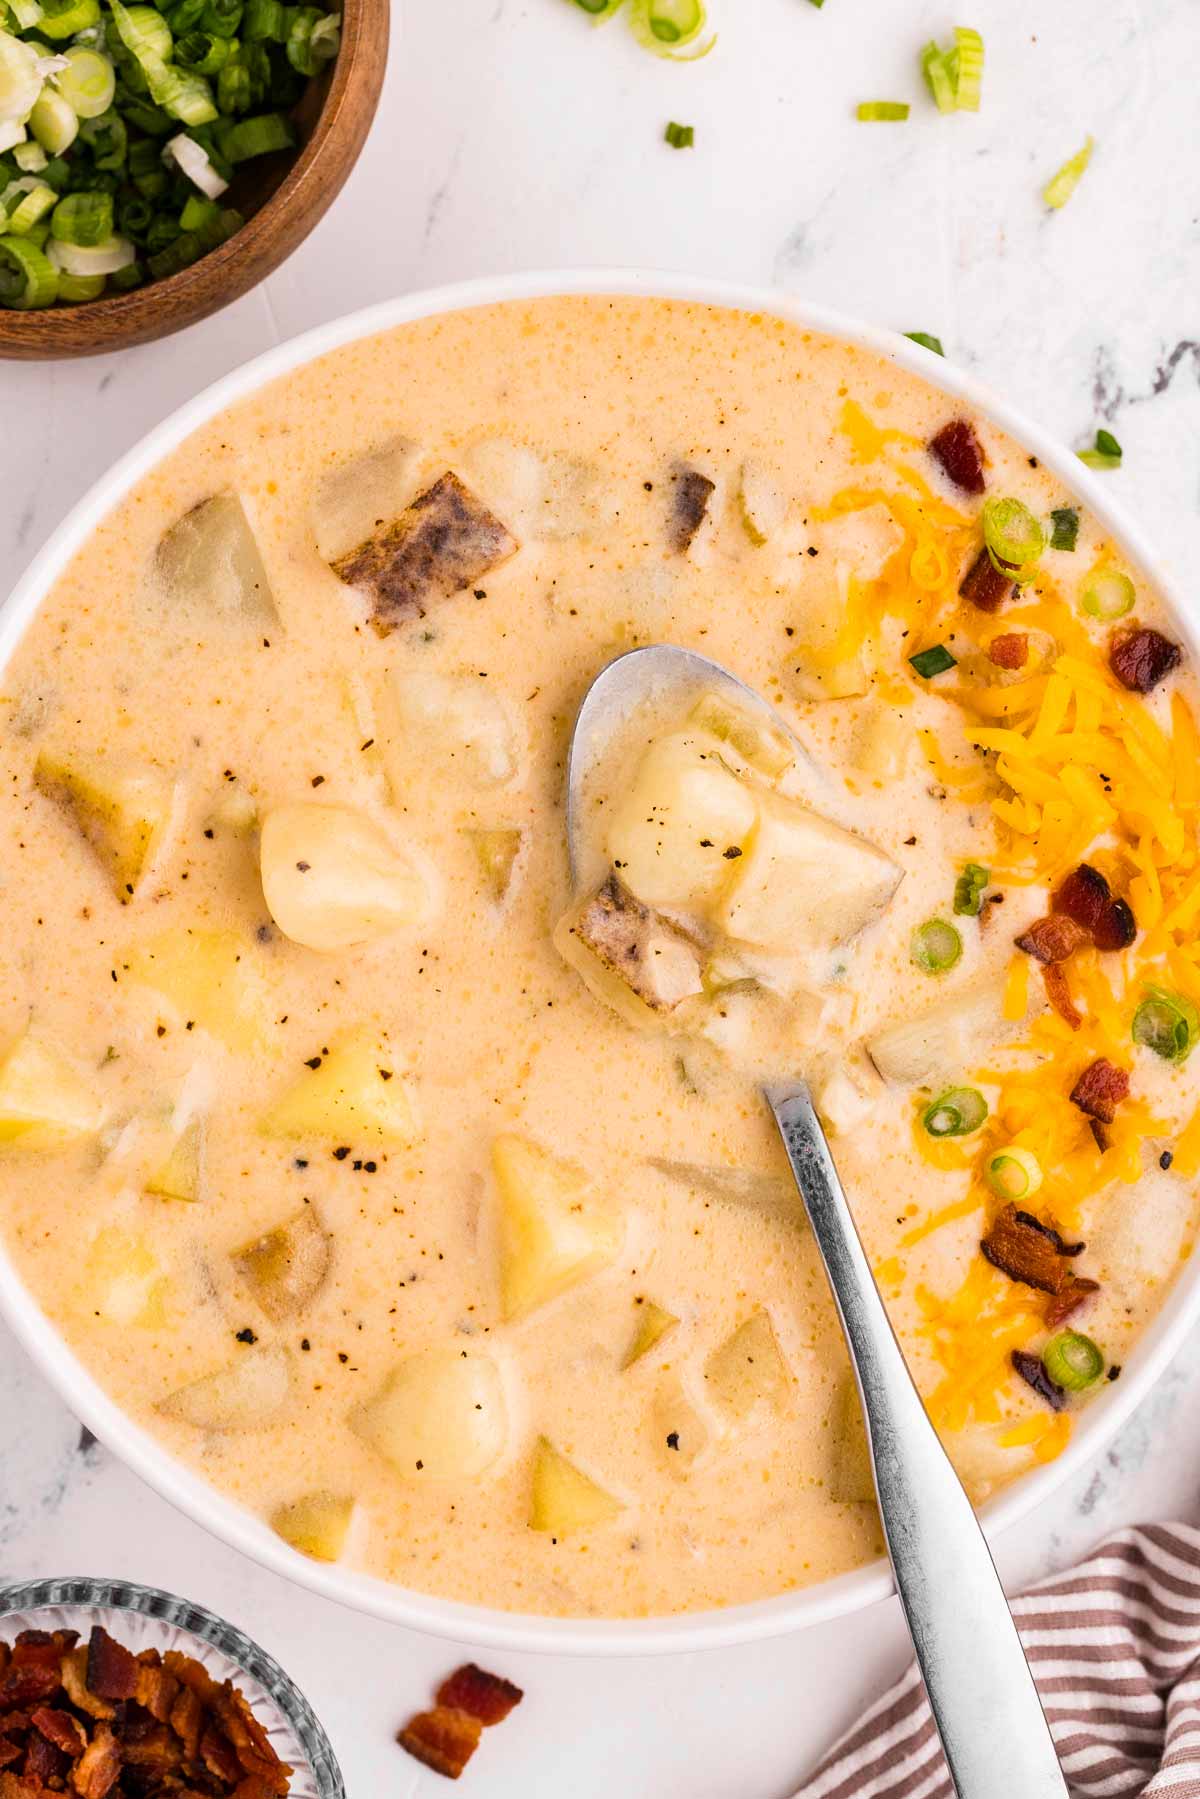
959,452
1140,658
1009,650
1052,939
444,1739
485,1696
1100,1089
1032,1370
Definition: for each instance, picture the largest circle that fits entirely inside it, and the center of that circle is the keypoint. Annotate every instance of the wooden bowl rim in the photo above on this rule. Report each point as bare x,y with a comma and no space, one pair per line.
72,326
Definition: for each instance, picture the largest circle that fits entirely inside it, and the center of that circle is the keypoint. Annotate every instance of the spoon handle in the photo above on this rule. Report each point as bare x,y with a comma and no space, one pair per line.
982,1695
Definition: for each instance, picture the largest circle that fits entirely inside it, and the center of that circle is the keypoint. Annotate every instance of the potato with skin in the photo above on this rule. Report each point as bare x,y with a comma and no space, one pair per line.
352,1092
564,1499
44,1101
440,1416
120,810
316,1524
630,957
332,879
682,823
552,1233
245,1395
286,1267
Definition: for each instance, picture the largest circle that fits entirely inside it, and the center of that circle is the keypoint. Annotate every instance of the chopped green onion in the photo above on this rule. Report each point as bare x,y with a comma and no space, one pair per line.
195,162
88,83
185,16
77,288
198,212
62,19
1106,454
30,158
103,258
1168,1023
680,137
20,80
83,218
27,13
144,32
968,68
222,17
235,87
936,946
12,133
27,278
312,40
53,122
969,890
203,53
132,275
265,19
108,141
671,28
599,9
933,661
955,1113
869,110
1061,186
258,137
1065,532
1073,1361
939,77
25,208
1108,595
927,341
1013,1173
1014,537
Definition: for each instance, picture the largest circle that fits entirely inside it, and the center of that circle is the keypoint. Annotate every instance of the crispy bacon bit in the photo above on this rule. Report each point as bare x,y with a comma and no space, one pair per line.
186,1720
156,1690
984,585
1100,1090
1036,1255
112,1671
1076,1290
1052,939
74,1680
1058,992
485,1696
61,1729
1099,1134
1009,650
99,1767
1032,1370
960,453
1140,658
691,493
1117,929
44,1763
1086,897
444,1739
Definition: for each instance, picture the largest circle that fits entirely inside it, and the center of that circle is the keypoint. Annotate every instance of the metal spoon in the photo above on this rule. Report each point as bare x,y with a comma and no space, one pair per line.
985,1705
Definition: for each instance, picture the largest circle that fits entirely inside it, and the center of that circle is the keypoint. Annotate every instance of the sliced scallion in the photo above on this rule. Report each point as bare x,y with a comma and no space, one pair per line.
1062,185
27,278
1064,534
969,890
1105,453
680,137
882,111
1014,537
934,661
1168,1023
258,137
1013,1173
196,163
53,122
1108,595
83,218
939,76
927,341
62,19
20,79
672,28
968,68
88,83
85,260
30,158
955,1113
25,210
935,946
75,290
1073,1361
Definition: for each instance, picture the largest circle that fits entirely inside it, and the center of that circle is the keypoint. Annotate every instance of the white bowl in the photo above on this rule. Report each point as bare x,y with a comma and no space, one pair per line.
479,1624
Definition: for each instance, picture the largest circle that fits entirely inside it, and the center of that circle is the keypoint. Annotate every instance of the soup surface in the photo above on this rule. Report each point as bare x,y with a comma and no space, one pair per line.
429,1208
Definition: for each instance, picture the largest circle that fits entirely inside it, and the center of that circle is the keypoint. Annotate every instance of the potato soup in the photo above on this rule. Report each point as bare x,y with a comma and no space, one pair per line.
429,1207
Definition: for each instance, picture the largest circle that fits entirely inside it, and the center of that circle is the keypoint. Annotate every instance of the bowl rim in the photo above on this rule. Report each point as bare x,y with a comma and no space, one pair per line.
231,1523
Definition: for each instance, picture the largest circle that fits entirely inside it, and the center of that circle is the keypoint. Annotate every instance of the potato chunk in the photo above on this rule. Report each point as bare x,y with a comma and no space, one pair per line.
629,957
247,1394
747,1371
496,852
440,1415
765,746
444,541
209,561
944,1042
332,879
562,1498
317,1525
653,1323
123,1280
355,496
682,823
286,1267
454,722
551,1232
120,811
181,1175
353,1095
208,979
762,501
44,1102
805,884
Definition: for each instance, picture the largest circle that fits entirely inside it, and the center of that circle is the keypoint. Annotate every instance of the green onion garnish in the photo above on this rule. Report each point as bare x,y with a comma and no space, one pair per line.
1014,537
27,278
1168,1023
1073,1361
1061,186
1065,528
869,110
934,661
969,890
955,1113
927,341
680,137
1106,453
1108,595
935,946
939,77
954,77
1013,1173
672,28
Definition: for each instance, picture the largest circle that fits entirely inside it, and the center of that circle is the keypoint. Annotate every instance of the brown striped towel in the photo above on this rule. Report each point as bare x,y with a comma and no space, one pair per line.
1114,1645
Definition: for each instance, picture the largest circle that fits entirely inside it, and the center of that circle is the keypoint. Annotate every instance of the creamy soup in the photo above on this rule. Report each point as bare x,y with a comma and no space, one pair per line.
428,1207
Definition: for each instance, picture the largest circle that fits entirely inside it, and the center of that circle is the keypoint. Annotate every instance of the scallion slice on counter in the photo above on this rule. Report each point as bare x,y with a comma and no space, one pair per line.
1108,595
27,278
1062,185
672,28
1105,453
680,137
927,341
1064,532
934,661
968,68
1073,1361
1168,1023
935,946
955,1113
1013,1173
599,9
969,889
1014,537
882,110
939,77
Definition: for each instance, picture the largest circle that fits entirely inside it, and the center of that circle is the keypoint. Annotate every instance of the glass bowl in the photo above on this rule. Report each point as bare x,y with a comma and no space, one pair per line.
147,1618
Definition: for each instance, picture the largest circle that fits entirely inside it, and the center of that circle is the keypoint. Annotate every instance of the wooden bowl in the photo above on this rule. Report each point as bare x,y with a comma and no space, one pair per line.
282,197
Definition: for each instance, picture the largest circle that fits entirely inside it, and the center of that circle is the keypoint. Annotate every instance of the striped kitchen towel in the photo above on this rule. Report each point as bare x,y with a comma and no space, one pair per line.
1114,1645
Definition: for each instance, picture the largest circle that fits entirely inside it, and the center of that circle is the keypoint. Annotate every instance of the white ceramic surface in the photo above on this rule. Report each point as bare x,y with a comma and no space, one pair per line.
510,136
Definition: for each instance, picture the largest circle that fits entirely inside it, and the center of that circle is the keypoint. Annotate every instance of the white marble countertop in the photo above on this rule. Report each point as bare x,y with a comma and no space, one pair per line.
512,136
